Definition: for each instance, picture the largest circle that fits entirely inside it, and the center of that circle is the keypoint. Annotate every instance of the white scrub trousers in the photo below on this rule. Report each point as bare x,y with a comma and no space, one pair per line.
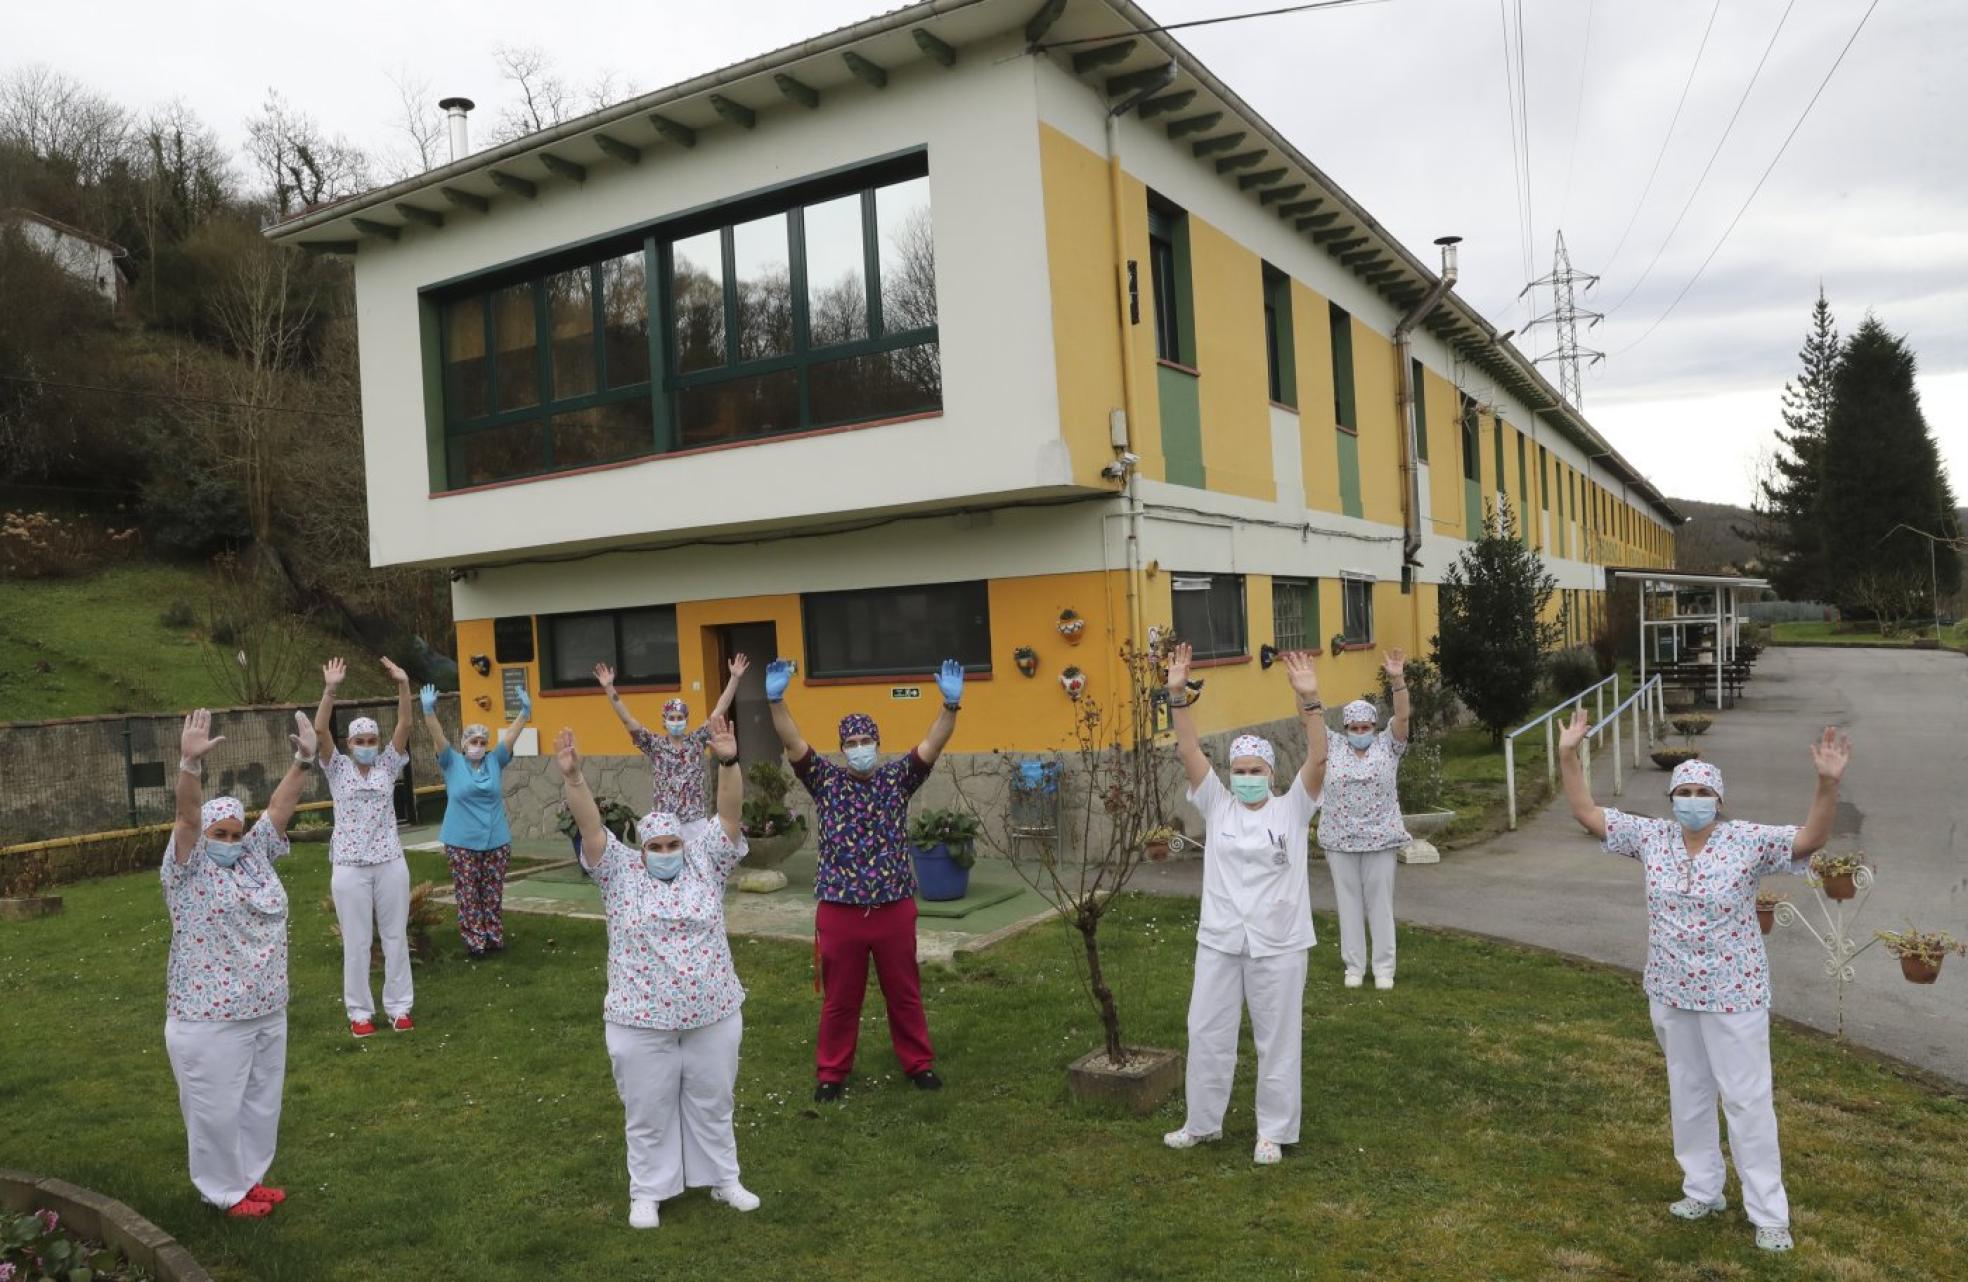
1364,887
1274,989
1711,1054
230,1073
676,1088
372,899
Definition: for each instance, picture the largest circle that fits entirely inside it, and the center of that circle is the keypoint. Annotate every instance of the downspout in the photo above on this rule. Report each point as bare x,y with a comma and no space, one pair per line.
1404,415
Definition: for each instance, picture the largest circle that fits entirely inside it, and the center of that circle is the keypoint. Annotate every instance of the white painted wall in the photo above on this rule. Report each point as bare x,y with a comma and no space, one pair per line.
92,264
999,431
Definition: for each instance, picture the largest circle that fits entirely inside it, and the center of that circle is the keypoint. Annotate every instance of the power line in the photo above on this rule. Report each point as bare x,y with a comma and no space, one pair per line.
1759,182
1578,114
1516,149
172,396
1689,203
1209,22
1667,137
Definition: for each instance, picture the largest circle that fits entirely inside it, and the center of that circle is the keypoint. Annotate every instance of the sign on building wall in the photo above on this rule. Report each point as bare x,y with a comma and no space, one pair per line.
512,682
905,692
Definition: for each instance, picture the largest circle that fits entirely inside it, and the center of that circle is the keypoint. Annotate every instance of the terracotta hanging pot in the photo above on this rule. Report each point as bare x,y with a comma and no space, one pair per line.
1839,885
1919,971
1071,626
1766,918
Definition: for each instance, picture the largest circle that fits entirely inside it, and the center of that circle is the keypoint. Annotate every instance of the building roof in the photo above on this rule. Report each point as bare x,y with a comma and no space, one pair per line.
1105,43
1686,578
15,212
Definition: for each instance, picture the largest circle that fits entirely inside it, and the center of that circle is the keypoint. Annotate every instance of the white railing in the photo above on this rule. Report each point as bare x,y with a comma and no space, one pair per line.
1600,719
1648,699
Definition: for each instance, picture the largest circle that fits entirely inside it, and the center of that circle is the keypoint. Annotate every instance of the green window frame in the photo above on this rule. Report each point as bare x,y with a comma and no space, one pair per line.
1295,614
1503,486
1169,282
1471,441
1524,490
1544,480
1281,366
562,400
1340,323
1416,385
1356,594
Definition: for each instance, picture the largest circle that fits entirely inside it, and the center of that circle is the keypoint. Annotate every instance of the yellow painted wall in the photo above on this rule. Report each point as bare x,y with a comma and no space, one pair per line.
1381,441
1444,454
1227,282
1318,434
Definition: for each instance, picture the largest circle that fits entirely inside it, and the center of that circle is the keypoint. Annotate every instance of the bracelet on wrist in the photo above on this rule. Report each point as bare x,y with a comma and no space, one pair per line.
949,706
727,762
1312,707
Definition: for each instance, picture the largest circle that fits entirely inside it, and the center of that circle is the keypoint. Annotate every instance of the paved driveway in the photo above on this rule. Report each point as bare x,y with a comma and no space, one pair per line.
1905,802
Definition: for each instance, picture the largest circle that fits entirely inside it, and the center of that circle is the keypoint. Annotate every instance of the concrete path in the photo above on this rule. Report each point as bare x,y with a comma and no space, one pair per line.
1905,803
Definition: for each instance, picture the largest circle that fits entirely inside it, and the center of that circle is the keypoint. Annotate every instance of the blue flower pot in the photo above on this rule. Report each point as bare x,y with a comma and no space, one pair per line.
937,875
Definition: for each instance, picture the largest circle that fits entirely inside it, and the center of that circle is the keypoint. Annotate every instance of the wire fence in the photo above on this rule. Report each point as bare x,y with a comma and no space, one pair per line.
103,774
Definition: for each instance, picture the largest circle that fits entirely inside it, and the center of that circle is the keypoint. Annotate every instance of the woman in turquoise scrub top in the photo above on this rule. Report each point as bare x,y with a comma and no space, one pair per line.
477,839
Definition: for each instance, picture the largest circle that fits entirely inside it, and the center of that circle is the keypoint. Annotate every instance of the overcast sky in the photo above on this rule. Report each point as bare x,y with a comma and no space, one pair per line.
1403,102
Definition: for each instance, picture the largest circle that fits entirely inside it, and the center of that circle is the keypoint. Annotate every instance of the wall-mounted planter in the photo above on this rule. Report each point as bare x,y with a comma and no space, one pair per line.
1071,626
1073,682
1027,660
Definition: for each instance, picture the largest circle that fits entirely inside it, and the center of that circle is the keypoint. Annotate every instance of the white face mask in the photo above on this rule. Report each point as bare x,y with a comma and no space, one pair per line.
1695,813
223,853
677,726
364,754
475,753
663,867
1361,740
862,757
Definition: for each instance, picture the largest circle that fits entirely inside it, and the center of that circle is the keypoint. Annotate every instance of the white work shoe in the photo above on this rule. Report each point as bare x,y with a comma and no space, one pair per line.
1383,982
1353,979
1267,1153
1773,1240
1183,1139
1693,1208
642,1213
735,1196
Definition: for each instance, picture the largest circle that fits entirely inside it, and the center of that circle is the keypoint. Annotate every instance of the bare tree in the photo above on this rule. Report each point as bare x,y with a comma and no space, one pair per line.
63,121
299,165
419,125
545,99
253,654
1890,596
1119,779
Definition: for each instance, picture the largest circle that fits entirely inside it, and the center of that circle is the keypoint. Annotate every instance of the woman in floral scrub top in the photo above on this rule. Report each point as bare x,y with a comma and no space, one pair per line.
1707,981
672,1013
676,757
225,1026
1360,829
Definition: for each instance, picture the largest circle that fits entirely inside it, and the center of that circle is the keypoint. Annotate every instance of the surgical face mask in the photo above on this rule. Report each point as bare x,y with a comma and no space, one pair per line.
678,726
364,754
1695,813
862,757
1360,739
1250,788
663,867
224,853
475,753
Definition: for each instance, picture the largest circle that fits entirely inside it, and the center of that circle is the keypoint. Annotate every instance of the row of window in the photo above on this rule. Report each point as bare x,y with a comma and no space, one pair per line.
813,308
889,631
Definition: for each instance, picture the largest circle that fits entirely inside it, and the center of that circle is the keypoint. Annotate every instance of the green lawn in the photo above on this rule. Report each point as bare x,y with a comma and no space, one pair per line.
106,649
1820,633
1501,1115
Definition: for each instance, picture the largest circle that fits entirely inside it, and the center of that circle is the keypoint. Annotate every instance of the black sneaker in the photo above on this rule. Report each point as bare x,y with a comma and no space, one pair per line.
828,1092
927,1080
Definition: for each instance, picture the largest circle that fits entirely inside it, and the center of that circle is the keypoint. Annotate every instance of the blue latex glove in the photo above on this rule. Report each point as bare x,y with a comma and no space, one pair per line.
429,696
778,675
950,680
525,702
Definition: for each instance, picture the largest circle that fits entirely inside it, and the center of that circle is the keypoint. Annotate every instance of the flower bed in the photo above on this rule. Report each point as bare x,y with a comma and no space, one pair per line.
64,1224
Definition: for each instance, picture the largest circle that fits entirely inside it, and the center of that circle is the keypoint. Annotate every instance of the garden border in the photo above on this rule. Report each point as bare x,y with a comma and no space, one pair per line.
103,1218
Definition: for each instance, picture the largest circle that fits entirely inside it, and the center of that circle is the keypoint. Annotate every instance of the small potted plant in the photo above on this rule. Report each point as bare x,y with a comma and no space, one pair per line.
1418,786
1027,660
1158,841
313,826
1692,723
1766,909
22,879
615,817
1921,952
772,832
944,845
1073,682
1838,874
1071,625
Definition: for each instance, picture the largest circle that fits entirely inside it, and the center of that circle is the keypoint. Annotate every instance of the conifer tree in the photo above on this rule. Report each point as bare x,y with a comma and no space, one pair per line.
1788,530
1494,630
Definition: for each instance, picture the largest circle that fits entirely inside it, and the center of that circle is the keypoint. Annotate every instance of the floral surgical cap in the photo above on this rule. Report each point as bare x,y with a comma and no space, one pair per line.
364,725
1359,712
1250,745
1696,772
859,723
657,823
220,808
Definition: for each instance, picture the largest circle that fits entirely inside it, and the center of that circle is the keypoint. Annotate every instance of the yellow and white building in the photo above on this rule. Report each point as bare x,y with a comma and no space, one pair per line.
897,344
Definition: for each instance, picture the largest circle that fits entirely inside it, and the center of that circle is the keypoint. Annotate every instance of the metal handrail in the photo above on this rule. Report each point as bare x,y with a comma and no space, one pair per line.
1656,709
1598,692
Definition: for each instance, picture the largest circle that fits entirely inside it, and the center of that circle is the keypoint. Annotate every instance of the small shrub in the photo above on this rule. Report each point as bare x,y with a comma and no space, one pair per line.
1571,672
222,632
1419,783
40,545
765,813
1605,652
178,614
1433,708
956,829
615,817
425,916
36,1246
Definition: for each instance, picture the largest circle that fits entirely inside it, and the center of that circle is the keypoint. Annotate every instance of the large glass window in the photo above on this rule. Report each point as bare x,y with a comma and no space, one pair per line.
640,644
812,310
906,631
1279,365
1359,610
1471,460
1168,280
1341,324
1418,387
1208,613
1295,614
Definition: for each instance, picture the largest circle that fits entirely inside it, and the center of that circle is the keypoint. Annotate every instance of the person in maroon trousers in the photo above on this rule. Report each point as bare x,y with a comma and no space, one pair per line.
865,881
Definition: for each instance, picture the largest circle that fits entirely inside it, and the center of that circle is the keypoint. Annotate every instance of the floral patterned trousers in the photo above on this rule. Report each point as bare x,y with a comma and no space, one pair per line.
478,879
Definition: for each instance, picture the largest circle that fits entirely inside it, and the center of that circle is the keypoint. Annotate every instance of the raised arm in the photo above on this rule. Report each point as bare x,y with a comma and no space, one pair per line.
580,801
287,795
1187,745
949,683
1830,754
1578,790
428,697
731,778
400,737
194,741
779,675
1311,717
332,673
738,667
606,676
519,721
1394,663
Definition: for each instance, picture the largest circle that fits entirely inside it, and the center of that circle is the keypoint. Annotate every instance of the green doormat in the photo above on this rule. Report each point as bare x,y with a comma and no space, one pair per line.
980,897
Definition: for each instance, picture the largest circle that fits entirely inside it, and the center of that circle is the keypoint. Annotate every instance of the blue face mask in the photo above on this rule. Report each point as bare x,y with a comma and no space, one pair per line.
663,867
1250,788
1695,813
862,757
364,755
224,853
676,727
1362,740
